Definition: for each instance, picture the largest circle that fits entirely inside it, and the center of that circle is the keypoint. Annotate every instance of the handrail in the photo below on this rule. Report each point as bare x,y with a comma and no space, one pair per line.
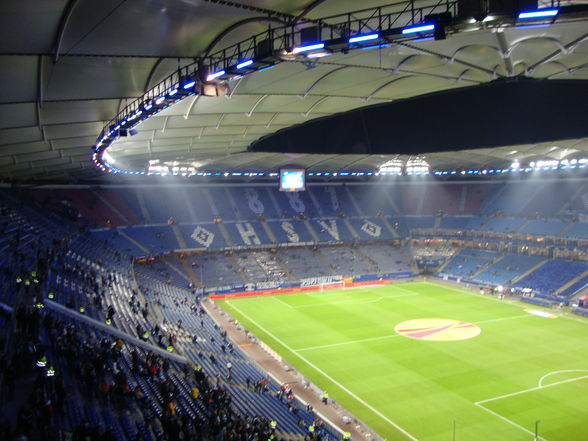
113,331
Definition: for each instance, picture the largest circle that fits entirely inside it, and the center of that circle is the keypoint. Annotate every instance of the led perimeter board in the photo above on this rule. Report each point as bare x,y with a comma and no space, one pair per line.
292,180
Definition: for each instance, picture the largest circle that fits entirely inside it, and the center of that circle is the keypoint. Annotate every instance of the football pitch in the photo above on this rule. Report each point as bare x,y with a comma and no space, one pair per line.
414,360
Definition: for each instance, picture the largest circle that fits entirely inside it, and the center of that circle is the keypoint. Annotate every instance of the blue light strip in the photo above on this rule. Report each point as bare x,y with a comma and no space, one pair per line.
189,84
243,64
215,75
541,13
307,48
360,38
375,46
420,28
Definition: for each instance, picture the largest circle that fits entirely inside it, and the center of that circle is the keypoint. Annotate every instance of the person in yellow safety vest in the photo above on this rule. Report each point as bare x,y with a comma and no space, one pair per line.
194,392
170,348
146,335
50,296
273,424
346,436
82,309
325,398
108,321
311,429
51,371
42,362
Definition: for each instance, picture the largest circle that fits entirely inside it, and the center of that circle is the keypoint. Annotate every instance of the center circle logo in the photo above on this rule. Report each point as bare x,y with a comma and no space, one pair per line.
436,329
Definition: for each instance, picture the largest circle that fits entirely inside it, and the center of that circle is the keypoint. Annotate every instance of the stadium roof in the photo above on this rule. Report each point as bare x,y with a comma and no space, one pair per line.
67,67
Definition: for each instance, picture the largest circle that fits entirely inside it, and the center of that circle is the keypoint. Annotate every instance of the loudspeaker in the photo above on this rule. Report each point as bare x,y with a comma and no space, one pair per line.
511,6
310,35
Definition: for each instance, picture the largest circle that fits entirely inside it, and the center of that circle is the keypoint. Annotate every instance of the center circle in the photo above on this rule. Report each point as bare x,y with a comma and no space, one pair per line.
436,329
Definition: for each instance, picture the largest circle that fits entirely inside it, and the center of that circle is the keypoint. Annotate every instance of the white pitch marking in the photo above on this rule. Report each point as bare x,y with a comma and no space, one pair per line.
353,302
348,342
521,392
277,298
348,302
374,410
518,426
501,319
465,291
559,372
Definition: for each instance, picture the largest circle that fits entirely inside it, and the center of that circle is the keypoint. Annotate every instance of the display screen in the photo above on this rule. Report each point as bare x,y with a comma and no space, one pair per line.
292,180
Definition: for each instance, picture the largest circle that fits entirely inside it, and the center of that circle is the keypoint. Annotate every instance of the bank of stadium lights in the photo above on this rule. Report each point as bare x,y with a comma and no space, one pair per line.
517,167
188,85
417,166
391,168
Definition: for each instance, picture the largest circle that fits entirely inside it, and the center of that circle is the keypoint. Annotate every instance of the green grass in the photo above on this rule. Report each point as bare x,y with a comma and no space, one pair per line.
404,388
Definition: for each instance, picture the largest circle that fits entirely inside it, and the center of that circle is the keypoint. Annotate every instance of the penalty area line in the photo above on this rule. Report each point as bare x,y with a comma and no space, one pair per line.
521,392
327,376
506,420
347,343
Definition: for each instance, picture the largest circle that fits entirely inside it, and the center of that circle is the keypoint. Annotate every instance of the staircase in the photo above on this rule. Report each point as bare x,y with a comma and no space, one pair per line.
274,202
352,199
188,268
571,282
566,229
518,230
314,201
180,239
285,267
421,201
492,199
172,267
143,206
409,260
226,235
189,206
130,239
462,199
234,205
373,265
538,189
211,202
268,231
238,268
311,231
112,207
351,229
526,273
325,262
485,267
576,195
390,228
449,259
